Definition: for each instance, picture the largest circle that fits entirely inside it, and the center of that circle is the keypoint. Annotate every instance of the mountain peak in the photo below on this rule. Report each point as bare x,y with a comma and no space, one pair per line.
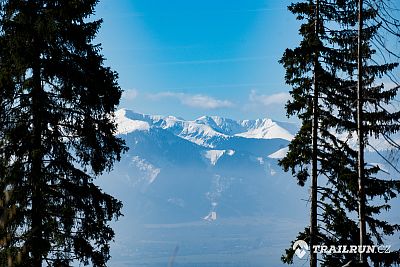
129,121
205,130
265,129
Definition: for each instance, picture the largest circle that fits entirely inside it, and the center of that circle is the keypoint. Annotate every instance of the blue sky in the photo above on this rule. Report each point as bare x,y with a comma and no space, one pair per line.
194,58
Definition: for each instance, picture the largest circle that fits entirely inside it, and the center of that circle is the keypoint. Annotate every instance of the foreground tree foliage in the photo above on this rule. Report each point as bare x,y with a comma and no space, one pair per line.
335,43
56,135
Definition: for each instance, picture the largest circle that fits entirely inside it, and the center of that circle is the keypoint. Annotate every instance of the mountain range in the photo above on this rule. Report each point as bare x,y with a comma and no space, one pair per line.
210,187
204,192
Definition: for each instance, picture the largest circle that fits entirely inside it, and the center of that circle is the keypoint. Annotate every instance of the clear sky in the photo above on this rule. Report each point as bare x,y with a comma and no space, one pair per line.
190,58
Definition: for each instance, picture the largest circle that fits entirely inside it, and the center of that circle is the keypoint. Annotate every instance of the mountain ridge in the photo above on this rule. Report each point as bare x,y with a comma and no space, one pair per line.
200,184
206,130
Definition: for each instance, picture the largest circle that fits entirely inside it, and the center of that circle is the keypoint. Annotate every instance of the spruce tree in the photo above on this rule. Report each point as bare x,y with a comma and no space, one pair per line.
57,135
337,156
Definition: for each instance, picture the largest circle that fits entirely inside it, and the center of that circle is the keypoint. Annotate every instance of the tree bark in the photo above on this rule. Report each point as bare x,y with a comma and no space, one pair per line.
36,167
360,133
314,171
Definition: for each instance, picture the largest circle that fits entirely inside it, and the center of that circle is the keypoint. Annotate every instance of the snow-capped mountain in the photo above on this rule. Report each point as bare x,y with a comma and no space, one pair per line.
206,131
209,172
208,164
210,187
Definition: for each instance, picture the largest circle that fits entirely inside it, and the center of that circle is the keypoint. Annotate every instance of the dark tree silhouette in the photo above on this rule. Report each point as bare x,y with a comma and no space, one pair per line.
57,135
337,70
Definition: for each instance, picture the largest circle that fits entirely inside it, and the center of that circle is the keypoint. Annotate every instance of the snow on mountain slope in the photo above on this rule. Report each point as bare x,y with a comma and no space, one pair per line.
149,171
279,154
222,125
197,133
129,124
214,155
265,129
206,131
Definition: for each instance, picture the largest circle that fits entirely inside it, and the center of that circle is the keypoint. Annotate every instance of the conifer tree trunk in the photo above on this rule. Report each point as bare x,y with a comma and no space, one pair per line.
36,171
314,181
360,131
